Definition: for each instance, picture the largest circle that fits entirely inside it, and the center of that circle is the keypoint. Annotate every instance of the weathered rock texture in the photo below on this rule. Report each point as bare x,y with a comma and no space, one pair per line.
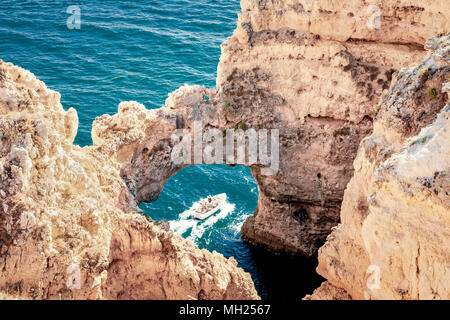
69,227
394,238
317,70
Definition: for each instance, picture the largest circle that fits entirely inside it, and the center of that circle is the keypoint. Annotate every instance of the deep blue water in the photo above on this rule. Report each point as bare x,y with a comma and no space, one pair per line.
141,51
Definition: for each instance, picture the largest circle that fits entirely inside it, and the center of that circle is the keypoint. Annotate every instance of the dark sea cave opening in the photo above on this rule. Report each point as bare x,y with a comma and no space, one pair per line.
276,276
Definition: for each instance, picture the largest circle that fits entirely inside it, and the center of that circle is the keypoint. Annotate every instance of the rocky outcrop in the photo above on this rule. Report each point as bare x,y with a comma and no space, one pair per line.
394,236
69,226
328,64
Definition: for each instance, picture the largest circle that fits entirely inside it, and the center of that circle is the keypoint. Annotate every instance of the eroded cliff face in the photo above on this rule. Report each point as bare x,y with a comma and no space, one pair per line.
328,64
69,227
394,238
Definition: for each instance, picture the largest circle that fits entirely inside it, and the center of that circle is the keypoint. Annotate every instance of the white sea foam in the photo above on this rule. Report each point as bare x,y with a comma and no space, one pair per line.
198,227
181,226
236,224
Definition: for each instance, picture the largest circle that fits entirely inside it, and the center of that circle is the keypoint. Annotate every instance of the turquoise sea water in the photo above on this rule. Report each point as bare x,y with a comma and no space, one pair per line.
141,51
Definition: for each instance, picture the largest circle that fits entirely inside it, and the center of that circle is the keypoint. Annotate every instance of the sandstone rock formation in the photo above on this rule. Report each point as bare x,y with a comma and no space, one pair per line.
284,69
326,65
394,238
69,227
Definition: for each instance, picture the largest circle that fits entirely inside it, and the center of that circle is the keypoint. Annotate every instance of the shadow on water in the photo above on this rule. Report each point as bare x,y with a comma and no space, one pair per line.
282,277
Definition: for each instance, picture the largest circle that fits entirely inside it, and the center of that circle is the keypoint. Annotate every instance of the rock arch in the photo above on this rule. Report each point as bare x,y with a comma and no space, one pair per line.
140,140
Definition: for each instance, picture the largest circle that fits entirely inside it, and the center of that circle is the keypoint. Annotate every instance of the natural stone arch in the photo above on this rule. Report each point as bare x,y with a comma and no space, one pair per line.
305,210
141,140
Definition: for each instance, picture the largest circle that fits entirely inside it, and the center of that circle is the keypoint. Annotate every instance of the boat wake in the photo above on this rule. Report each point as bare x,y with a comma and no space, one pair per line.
194,229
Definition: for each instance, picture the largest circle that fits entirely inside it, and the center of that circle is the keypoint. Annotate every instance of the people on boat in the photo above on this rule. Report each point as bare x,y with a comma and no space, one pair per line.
207,205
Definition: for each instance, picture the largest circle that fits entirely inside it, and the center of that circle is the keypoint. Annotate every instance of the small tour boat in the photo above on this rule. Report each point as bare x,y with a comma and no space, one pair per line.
209,206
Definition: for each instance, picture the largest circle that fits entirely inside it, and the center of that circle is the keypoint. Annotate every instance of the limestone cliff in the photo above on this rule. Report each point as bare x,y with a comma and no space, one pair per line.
316,71
69,227
325,65
394,238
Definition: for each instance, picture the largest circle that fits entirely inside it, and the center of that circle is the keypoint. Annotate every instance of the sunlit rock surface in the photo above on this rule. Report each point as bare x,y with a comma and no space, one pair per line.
394,238
328,63
69,227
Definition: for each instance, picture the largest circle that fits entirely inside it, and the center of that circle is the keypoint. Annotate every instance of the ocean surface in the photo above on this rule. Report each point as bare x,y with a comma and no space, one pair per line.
141,51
